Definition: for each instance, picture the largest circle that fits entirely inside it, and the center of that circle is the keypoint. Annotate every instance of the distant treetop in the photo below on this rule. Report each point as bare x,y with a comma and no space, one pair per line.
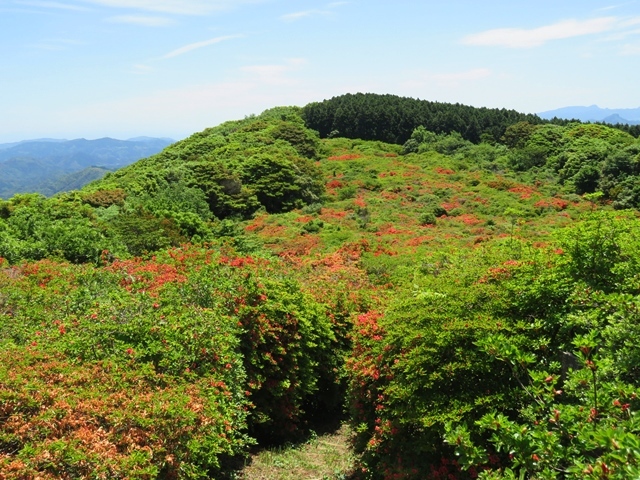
392,119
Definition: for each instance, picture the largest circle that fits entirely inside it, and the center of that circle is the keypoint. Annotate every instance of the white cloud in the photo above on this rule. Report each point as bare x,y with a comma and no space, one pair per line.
141,69
144,20
630,49
180,7
607,8
54,5
56,44
292,17
630,22
274,74
523,38
613,7
197,45
621,35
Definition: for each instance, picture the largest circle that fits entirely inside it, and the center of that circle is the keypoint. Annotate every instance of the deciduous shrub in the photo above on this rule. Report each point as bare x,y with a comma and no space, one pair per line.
159,368
507,368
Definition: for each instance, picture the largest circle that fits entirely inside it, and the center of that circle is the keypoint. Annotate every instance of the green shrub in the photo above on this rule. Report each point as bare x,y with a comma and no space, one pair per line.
518,368
195,351
347,192
313,226
427,218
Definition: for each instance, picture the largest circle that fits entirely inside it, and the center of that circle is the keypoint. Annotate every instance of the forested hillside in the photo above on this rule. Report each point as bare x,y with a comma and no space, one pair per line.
392,119
468,306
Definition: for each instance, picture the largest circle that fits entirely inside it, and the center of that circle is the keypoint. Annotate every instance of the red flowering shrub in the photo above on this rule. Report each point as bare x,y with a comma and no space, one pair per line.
61,419
156,367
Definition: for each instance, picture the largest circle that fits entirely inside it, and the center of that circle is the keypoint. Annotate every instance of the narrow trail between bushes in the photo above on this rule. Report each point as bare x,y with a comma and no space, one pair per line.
323,457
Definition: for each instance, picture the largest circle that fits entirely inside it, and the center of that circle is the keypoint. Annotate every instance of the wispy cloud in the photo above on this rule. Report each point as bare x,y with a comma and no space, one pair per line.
292,17
180,7
274,74
141,69
630,22
527,38
53,5
614,7
144,20
626,27
621,35
56,44
197,45
630,49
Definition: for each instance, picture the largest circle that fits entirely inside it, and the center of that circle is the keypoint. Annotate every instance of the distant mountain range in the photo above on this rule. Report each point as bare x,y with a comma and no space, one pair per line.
49,166
630,116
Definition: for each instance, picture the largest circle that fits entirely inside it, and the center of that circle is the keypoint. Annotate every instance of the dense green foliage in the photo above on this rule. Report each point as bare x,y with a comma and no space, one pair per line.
520,364
585,158
392,119
472,305
162,368
240,166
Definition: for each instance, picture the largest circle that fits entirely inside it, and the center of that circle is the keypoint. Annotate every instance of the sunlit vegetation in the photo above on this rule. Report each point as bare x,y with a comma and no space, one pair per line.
392,119
468,306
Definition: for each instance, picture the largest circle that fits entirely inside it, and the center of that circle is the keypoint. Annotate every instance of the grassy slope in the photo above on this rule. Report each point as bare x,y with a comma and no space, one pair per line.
376,199
368,235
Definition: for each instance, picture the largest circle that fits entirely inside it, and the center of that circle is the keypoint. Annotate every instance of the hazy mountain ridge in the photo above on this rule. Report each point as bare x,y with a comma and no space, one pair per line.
102,151
71,181
593,113
4,146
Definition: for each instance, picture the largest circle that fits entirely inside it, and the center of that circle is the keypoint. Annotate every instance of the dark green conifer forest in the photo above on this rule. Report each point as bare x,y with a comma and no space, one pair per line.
459,285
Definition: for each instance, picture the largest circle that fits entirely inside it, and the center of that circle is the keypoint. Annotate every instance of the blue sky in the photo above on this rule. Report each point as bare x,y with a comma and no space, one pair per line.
123,68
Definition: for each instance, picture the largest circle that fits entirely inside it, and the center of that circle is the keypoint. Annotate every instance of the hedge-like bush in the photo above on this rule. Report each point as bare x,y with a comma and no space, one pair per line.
508,365
160,368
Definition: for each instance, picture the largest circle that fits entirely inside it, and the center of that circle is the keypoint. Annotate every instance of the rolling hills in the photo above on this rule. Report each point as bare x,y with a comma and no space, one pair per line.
469,306
45,165
630,116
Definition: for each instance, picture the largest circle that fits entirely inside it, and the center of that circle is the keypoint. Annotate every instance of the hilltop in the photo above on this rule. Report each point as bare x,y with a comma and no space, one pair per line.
466,303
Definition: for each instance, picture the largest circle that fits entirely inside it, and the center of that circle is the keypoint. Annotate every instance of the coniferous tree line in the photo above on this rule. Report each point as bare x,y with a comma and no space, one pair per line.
392,119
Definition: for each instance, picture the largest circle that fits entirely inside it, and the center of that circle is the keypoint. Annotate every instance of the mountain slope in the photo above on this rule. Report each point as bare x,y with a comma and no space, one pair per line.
240,166
80,153
71,181
25,165
449,274
594,113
